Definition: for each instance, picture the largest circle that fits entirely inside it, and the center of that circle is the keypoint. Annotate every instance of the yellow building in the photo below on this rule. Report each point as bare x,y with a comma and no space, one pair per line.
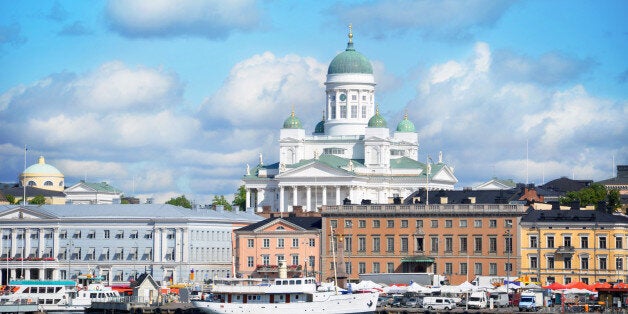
573,245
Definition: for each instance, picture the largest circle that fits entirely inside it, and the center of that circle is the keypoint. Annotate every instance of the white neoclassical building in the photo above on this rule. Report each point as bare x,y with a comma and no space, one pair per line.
350,157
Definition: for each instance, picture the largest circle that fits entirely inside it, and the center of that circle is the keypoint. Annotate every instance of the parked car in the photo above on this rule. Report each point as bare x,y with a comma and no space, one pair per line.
413,302
382,301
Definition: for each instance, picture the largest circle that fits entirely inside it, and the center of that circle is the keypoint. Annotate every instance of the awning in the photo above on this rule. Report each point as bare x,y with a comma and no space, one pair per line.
417,259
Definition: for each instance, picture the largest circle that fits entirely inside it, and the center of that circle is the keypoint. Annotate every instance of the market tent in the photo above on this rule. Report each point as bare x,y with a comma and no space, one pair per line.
396,289
417,288
366,285
578,285
597,285
555,286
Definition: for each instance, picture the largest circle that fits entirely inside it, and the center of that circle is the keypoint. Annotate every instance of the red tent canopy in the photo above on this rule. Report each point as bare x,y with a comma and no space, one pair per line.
578,285
555,286
620,285
601,285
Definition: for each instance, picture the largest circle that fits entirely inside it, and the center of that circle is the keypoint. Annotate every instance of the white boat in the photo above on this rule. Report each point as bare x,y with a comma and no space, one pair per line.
56,295
283,295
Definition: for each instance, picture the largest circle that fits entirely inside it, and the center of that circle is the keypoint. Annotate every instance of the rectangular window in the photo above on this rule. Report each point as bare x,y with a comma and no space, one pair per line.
376,223
105,255
584,263
619,263
361,244
376,267
404,224
434,247
348,223
91,254
250,261
463,268
492,245
463,245
77,234
449,268
348,244
602,242
449,244
567,262
120,235
477,246
508,245
492,223
361,267
333,112
343,112
567,240
148,235
363,112
148,254
390,244
618,242
390,267
280,243
266,243
354,97
312,242
419,244
107,234
376,244
550,242
266,259
354,111
449,223
478,268
295,259
133,253
434,223
63,234
550,262
280,258
508,223
419,224
477,223
312,261
603,263
463,223
492,269
295,242
404,244
134,234
91,234
334,223
390,223
361,223
534,243
250,243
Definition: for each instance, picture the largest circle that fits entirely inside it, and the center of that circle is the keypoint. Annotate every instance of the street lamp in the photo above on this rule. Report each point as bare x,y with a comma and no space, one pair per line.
508,249
70,251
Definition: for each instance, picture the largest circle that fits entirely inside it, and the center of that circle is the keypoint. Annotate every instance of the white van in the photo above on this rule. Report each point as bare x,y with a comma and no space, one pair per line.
478,300
438,303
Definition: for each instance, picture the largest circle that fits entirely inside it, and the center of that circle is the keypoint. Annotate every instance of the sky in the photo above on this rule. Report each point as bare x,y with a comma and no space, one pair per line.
166,98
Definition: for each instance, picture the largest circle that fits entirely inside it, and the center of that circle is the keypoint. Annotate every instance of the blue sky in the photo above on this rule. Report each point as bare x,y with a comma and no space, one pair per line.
163,98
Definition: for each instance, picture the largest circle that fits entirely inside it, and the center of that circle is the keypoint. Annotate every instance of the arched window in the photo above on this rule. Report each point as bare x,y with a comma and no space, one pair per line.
32,183
48,183
60,183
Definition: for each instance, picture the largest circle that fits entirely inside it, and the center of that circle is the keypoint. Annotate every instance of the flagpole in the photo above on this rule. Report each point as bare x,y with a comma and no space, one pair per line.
24,178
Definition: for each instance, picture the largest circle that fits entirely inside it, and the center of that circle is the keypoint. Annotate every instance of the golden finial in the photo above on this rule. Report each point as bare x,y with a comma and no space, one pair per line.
405,115
377,109
323,115
350,33
292,114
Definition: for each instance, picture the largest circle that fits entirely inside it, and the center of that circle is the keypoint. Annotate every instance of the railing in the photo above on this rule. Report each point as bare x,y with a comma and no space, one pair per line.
421,208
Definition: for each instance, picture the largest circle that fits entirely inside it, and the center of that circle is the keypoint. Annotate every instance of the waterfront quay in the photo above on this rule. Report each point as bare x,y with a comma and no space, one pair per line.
141,308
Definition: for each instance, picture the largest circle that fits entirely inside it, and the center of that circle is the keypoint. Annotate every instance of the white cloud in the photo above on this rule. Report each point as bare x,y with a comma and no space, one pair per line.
213,19
261,90
90,169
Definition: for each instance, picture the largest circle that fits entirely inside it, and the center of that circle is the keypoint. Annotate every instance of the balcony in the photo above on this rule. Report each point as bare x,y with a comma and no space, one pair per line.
567,250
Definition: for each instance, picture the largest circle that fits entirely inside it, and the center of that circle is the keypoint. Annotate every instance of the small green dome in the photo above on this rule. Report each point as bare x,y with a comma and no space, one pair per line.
292,122
320,127
377,121
350,61
42,168
405,125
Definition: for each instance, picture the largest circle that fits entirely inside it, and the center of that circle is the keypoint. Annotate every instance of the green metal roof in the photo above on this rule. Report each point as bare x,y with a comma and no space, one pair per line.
42,168
350,61
101,187
405,163
292,122
377,121
320,127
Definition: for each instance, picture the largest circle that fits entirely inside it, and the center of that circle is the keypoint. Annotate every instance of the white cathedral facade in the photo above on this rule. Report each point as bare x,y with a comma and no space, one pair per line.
351,155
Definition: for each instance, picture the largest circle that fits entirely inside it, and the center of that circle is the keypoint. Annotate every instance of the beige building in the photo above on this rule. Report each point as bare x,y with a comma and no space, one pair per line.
42,175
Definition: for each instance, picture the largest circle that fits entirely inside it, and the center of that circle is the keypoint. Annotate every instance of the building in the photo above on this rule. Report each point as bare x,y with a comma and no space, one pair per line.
51,197
573,245
43,176
496,184
118,241
460,241
619,183
93,193
261,246
350,157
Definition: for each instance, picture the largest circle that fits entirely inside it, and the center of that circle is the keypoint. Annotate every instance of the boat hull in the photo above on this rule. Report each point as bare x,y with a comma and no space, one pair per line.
329,303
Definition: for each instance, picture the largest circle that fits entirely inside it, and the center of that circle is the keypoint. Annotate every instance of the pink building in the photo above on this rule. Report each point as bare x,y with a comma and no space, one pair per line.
260,246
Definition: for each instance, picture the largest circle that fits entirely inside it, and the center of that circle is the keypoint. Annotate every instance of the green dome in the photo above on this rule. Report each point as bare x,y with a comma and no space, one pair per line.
42,168
350,61
377,121
320,127
292,122
405,125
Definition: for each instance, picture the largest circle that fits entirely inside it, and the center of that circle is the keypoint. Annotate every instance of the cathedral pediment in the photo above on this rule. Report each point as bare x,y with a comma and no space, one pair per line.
313,170
444,174
18,213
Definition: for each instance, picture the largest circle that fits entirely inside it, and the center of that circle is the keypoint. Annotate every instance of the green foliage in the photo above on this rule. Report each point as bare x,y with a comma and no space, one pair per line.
221,200
38,200
590,195
239,199
180,201
614,200
10,199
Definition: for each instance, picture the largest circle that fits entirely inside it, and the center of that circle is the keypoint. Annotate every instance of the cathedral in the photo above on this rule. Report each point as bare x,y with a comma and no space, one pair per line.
351,157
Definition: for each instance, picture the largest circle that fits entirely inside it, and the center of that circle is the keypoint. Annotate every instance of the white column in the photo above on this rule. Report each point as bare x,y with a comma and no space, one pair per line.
351,196
27,243
41,274
156,245
248,198
163,244
178,244
308,201
186,245
41,245
281,198
324,195
260,196
338,195
55,247
294,197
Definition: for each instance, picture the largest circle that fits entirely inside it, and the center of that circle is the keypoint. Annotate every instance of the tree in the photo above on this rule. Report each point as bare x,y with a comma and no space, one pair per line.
38,200
590,195
10,199
180,201
614,200
239,199
220,200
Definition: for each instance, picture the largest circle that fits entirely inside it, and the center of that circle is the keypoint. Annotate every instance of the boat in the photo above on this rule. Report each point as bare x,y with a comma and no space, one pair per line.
56,295
283,295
